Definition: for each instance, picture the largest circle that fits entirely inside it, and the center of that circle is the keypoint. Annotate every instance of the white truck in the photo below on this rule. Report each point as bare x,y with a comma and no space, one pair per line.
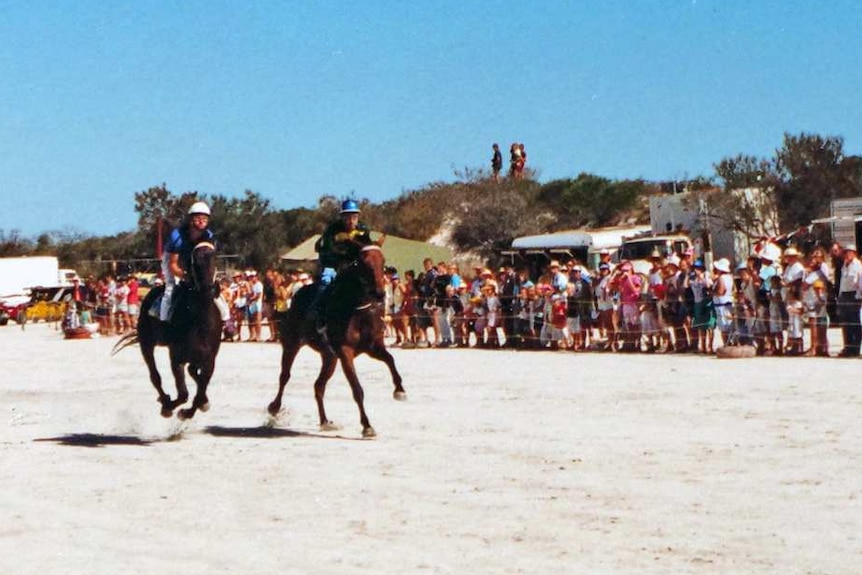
18,275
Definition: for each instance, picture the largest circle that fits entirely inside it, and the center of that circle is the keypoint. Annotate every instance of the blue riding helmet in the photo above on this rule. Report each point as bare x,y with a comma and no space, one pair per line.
349,207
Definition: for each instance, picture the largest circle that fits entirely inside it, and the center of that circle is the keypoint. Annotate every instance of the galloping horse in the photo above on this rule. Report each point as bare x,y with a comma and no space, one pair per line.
192,336
354,322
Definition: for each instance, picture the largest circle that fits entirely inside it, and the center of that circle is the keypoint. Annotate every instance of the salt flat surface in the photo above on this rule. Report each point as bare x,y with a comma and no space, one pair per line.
499,462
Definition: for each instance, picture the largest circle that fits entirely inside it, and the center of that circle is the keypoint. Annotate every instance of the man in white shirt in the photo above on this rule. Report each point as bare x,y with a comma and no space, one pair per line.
849,302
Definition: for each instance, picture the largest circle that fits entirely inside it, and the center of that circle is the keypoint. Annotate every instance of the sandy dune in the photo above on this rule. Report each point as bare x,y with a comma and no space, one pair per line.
499,462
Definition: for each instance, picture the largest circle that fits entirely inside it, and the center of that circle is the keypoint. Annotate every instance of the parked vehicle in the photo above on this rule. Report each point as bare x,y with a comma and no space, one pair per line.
584,245
18,275
46,304
14,308
639,250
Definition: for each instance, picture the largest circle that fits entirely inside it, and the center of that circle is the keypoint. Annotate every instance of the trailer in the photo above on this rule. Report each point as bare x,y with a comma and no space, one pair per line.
18,275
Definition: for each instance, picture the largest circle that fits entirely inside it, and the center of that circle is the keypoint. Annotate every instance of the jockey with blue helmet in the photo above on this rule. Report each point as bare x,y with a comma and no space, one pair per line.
337,246
176,260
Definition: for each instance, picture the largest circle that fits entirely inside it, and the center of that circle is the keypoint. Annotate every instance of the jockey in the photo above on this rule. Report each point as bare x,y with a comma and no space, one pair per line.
177,258
337,248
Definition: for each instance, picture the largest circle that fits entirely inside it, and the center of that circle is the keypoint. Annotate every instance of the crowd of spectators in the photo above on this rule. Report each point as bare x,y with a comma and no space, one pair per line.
110,301
781,302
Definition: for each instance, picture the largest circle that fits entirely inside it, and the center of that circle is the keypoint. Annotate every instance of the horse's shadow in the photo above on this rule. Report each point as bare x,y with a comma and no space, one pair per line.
268,432
261,432
99,440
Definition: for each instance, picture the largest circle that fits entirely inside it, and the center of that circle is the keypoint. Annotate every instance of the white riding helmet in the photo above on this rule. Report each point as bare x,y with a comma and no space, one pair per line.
199,208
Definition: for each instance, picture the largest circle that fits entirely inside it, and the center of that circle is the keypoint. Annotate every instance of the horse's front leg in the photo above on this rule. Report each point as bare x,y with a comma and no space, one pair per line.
148,352
179,379
290,346
380,353
327,368
202,375
346,355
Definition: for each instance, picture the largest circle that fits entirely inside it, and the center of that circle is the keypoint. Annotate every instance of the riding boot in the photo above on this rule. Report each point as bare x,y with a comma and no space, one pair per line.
317,311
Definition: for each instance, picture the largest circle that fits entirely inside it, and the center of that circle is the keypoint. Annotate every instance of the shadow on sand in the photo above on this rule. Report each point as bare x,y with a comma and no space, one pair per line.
98,440
267,432
261,432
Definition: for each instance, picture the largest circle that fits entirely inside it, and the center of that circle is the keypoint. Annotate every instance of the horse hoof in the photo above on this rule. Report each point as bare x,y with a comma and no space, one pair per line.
185,414
205,406
400,395
369,432
273,408
329,426
167,412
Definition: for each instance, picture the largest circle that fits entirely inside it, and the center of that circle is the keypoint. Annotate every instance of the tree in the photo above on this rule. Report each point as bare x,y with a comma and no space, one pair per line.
812,171
744,171
591,200
494,214
748,202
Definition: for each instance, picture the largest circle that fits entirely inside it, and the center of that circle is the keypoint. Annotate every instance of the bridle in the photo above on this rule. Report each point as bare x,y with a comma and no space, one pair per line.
195,272
366,305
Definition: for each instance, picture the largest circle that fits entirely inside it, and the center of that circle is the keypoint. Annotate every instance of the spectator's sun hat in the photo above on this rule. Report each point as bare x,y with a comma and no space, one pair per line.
722,265
850,248
673,260
698,263
554,264
486,272
604,266
791,252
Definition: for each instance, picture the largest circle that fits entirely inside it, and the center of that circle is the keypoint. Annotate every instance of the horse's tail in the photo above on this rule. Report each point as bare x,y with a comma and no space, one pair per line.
127,340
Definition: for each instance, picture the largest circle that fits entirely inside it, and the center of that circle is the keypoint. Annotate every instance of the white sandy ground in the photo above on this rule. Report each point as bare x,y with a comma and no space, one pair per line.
499,462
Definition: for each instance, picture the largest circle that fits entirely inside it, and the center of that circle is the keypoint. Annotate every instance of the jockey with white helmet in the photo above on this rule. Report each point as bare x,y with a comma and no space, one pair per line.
176,260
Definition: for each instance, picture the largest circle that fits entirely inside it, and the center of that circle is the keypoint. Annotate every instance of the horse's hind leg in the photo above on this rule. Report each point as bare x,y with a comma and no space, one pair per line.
380,353
289,348
327,368
148,351
346,356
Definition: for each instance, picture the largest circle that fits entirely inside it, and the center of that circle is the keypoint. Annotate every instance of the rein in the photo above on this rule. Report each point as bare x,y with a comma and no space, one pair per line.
198,246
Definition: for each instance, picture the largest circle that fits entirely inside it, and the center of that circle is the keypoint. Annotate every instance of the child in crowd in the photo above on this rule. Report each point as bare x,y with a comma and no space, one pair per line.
795,312
816,300
776,316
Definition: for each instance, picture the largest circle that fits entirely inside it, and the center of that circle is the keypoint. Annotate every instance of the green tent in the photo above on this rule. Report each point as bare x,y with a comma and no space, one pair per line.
402,254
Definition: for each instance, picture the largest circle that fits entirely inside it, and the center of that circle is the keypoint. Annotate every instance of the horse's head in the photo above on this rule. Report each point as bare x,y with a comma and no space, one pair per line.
203,266
371,261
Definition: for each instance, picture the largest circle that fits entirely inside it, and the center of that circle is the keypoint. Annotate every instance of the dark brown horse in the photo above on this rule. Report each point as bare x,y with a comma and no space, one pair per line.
354,322
193,335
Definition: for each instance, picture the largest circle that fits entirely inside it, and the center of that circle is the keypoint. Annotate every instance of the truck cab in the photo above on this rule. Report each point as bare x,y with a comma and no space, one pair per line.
638,250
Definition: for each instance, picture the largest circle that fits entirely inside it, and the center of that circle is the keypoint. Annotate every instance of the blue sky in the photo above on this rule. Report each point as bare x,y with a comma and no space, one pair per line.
294,100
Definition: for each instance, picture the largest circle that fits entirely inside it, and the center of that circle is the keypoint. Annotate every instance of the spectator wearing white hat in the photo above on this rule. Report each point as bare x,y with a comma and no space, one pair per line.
255,306
722,298
849,302
768,255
